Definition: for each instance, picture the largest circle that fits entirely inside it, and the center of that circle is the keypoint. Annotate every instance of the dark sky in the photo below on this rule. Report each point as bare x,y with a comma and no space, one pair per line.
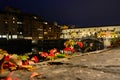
81,13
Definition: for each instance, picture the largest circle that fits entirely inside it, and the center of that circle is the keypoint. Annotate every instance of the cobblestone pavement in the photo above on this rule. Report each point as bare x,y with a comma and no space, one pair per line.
100,66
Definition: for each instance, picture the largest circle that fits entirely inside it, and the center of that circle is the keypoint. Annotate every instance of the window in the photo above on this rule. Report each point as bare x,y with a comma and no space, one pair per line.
13,18
19,22
4,36
14,36
6,22
13,21
34,17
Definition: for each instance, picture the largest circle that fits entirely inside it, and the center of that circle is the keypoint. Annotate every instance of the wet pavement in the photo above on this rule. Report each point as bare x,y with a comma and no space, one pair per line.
103,65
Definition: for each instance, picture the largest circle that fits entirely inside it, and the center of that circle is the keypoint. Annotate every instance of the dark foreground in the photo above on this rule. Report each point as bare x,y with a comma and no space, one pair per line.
100,66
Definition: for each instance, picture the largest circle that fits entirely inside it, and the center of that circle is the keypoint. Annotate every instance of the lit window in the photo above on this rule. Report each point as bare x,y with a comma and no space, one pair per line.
10,36
45,23
13,18
6,22
19,22
40,37
20,32
35,17
39,29
45,32
13,21
14,36
4,36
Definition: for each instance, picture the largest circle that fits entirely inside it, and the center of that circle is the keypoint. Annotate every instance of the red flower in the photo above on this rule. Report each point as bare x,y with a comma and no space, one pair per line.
69,49
53,50
25,62
44,54
51,54
35,59
7,57
80,44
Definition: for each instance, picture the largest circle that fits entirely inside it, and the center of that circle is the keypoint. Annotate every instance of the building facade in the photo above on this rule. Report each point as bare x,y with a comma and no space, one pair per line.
15,24
51,31
99,32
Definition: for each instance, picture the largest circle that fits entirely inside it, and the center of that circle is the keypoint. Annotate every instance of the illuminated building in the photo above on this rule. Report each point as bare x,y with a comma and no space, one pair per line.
105,31
15,24
51,31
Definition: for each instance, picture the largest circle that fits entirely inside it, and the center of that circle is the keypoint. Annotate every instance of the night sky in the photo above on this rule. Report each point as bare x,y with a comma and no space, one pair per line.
81,13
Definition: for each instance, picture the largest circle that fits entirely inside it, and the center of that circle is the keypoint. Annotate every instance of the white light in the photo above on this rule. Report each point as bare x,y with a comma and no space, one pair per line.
4,36
39,29
13,18
6,22
45,23
13,21
35,17
19,22
14,36
20,32
45,32
40,37
10,37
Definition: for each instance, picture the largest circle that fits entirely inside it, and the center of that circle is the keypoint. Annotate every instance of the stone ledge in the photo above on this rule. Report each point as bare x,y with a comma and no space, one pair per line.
76,55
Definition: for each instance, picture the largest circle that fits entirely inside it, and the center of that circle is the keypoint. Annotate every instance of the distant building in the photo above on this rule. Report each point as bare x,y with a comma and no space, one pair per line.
99,32
51,31
15,24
